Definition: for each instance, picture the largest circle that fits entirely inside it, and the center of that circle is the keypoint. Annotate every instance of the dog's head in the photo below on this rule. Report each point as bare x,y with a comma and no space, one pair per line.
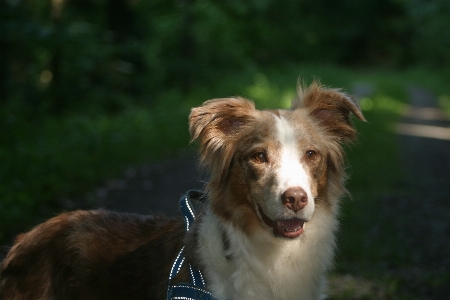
273,169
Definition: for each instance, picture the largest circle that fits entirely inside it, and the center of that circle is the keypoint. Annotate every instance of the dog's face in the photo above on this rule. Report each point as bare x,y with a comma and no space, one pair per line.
280,167
270,170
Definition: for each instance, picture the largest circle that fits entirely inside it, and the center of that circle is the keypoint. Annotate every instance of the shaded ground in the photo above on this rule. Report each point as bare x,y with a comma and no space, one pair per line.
427,160
421,218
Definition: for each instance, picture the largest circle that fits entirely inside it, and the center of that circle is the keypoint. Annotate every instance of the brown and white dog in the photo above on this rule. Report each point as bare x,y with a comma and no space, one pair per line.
267,232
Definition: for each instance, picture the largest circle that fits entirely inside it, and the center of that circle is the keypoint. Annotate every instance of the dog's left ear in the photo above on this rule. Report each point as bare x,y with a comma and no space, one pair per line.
331,108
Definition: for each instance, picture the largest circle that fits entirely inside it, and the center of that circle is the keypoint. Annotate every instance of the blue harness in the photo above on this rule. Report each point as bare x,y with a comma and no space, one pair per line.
196,289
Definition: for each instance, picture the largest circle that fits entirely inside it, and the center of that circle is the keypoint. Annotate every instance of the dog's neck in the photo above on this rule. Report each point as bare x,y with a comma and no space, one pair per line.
237,266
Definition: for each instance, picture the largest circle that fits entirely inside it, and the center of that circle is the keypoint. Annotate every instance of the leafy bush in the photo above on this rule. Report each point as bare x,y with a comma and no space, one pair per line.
430,32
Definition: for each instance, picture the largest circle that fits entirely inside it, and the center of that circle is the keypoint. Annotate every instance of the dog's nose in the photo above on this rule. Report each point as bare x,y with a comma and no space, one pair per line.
294,198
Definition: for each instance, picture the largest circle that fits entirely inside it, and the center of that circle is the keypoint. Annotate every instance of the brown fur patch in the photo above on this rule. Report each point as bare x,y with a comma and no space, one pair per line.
93,255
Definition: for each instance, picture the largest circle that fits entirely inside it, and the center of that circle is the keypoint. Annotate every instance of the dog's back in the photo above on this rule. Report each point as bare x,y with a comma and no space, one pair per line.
92,255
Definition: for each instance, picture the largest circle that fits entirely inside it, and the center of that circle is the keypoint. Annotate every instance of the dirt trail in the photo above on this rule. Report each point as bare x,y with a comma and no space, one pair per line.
425,138
424,135
420,218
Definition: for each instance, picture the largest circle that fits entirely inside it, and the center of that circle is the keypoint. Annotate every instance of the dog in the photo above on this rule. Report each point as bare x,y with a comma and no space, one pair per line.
267,230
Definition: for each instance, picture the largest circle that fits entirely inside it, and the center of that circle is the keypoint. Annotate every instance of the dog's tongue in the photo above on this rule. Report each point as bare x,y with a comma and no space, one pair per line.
291,224
291,228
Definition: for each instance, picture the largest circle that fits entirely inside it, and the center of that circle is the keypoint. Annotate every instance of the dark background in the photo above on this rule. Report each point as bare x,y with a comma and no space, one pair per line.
60,55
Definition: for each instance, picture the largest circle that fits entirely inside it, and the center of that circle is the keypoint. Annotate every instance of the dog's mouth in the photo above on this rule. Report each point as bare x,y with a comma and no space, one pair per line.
289,228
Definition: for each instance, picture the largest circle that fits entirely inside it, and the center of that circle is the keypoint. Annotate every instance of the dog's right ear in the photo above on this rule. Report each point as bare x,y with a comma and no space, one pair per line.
216,124
217,117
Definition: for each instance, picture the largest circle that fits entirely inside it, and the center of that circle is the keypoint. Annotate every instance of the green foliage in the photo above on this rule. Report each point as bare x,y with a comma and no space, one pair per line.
431,31
59,58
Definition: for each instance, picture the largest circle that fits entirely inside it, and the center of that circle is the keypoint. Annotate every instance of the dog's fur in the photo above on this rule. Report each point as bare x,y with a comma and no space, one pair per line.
267,231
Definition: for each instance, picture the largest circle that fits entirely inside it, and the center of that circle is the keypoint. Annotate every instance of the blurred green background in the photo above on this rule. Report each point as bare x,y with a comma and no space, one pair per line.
89,87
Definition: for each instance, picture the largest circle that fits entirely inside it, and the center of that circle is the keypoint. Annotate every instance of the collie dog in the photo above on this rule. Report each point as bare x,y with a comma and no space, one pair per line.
266,231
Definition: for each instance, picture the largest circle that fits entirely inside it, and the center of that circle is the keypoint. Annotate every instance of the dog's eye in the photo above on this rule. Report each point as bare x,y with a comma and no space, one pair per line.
311,154
260,157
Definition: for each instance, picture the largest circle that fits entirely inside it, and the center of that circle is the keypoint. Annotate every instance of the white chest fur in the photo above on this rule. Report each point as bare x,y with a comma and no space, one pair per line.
264,266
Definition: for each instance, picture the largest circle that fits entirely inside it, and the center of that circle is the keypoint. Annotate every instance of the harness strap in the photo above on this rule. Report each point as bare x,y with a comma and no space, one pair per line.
177,264
189,292
195,274
194,290
188,211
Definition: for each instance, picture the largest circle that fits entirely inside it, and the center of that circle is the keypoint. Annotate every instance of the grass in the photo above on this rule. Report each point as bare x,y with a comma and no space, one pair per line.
48,160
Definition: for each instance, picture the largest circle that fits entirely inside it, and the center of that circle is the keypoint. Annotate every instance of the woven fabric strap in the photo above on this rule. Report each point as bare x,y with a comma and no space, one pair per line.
196,288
